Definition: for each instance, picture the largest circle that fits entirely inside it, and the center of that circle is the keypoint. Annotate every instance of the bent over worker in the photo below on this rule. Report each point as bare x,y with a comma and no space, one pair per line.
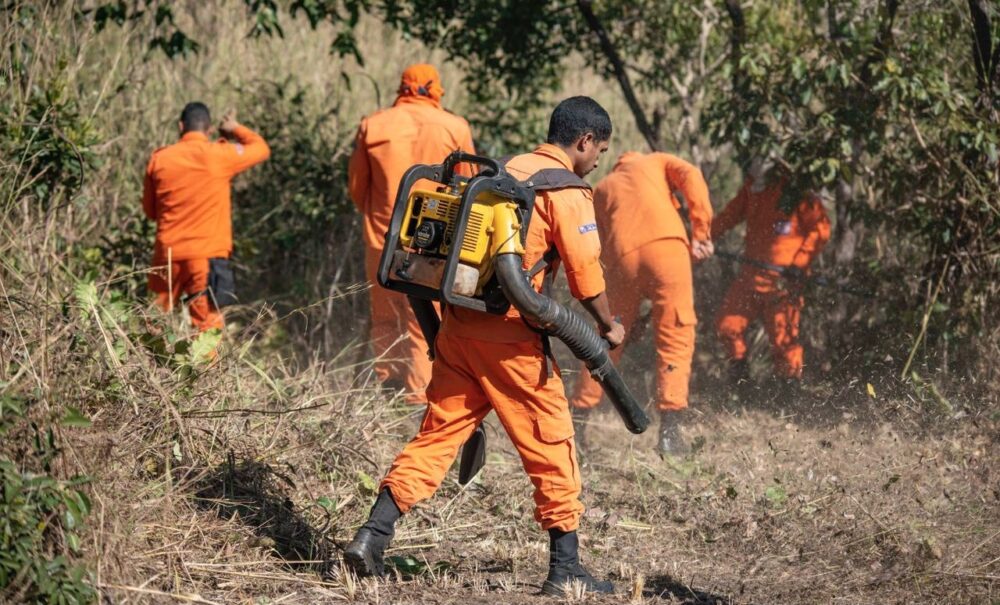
490,362
787,233
187,192
647,254
415,130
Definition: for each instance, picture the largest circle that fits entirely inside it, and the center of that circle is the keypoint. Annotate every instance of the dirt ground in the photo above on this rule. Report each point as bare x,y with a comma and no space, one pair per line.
773,506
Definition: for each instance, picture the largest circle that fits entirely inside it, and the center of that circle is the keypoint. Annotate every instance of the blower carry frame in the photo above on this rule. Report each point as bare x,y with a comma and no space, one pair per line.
478,227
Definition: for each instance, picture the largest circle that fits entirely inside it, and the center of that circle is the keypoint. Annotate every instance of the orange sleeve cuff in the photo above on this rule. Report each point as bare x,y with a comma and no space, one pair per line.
586,281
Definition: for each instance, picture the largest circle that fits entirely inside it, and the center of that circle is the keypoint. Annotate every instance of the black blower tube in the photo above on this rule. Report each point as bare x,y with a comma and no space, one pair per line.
575,332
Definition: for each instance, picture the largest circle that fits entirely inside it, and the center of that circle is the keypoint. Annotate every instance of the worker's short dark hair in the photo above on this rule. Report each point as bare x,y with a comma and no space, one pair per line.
575,117
195,116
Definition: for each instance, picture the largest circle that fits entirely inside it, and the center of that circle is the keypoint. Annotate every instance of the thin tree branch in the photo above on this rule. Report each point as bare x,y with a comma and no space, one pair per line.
982,46
736,40
618,67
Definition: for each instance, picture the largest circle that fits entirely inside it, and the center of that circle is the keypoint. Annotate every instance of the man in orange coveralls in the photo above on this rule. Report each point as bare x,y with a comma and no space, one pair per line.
488,362
187,192
415,130
647,254
787,233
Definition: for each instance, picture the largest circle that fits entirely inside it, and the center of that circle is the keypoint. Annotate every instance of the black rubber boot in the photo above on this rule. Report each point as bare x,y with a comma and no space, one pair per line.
364,554
743,387
565,568
739,372
671,443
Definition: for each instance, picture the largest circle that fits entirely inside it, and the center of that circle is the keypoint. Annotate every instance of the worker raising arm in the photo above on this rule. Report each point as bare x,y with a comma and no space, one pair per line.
187,192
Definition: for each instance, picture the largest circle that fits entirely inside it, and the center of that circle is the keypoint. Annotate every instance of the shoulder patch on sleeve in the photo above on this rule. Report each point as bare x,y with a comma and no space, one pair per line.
782,227
239,148
588,228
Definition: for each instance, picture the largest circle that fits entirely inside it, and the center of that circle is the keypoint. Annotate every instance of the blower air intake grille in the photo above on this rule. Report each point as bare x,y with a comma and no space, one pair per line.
472,232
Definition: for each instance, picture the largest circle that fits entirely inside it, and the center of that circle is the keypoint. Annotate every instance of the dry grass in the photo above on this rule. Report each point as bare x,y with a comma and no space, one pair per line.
771,509
214,492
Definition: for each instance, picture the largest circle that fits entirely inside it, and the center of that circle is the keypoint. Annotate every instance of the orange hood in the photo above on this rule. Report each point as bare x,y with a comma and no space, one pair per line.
421,80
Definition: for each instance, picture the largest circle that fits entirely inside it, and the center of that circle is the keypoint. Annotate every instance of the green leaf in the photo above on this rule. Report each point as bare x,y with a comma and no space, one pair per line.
82,502
75,418
406,565
366,483
776,495
204,345
328,504
73,516
85,293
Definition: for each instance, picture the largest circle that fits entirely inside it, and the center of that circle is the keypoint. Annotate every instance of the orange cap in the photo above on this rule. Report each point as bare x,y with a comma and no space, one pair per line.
422,80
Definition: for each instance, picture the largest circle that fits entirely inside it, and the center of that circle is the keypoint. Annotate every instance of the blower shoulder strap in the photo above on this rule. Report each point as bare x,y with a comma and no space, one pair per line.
550,179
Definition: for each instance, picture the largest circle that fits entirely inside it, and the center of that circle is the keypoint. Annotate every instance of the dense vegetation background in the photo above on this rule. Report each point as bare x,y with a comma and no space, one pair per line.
891,109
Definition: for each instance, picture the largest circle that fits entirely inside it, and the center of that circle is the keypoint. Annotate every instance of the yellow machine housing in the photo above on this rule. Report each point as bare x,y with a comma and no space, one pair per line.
429,222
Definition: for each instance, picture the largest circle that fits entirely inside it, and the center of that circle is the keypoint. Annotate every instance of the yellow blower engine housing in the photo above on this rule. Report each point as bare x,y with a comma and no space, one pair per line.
429,230
442,241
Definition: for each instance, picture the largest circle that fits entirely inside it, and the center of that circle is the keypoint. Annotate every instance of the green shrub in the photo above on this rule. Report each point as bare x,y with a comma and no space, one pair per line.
40,517
50,140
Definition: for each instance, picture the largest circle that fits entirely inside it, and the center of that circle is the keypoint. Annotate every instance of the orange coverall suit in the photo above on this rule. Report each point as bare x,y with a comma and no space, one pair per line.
647,255
187,192
496,362
778,238
416,130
